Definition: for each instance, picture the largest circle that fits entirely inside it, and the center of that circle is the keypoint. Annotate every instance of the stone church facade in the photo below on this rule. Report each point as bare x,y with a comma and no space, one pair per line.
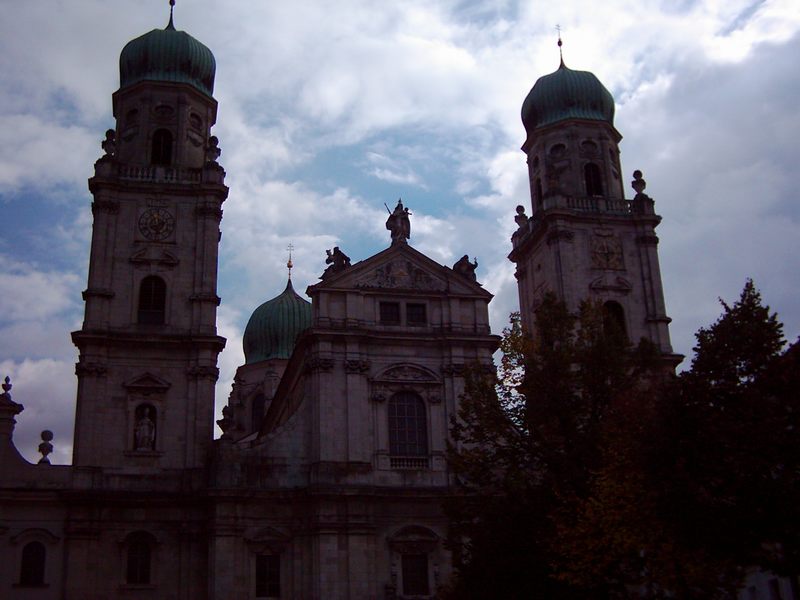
328,480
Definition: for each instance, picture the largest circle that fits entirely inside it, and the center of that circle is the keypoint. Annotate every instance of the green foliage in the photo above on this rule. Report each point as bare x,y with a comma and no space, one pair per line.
588,470
736,442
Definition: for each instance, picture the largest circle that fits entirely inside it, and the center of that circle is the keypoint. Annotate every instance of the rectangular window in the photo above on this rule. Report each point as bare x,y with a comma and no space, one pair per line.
268,576
415,575
416,314
390,313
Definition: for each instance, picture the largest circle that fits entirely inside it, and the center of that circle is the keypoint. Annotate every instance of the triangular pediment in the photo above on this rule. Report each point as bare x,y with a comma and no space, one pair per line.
611,284
147,383
400,267
159,256
265,534
406,372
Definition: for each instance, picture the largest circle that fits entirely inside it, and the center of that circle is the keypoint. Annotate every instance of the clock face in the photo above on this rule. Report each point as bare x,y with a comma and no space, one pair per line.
156,224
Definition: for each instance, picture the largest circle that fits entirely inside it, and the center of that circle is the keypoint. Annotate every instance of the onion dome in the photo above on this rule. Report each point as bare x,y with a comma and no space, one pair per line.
567,94
274,326
167,55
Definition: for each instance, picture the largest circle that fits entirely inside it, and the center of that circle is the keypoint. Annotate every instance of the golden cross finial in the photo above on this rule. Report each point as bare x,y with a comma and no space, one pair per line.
289,263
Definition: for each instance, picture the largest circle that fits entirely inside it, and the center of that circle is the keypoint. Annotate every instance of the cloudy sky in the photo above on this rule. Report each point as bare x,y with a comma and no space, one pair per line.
329,109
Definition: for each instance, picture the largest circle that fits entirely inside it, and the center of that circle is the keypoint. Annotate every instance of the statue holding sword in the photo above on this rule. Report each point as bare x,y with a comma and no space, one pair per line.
399,223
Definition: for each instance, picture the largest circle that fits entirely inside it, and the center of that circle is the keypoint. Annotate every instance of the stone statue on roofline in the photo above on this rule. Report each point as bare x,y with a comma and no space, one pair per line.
465,268
337,260
399,223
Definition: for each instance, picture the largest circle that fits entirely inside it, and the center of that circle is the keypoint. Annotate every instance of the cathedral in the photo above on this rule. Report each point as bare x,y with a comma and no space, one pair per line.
328,479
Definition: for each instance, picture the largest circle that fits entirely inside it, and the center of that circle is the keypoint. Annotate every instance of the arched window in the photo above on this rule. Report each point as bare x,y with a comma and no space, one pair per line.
162,148
144,427
31,569
257,411
140,551
152,300
593,179
614,319
408,429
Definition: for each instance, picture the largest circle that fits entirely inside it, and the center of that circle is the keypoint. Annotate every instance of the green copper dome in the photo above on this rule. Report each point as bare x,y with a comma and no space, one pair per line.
167,55
567,94
274,326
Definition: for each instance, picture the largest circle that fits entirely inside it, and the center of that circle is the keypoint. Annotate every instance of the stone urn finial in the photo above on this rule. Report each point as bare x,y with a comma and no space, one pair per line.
45,448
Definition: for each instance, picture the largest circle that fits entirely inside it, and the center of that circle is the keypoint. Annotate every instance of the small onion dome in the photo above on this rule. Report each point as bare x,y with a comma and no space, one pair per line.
567,94
167,55
274,326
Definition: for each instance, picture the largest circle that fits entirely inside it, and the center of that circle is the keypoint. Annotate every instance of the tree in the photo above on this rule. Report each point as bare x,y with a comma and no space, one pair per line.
588,472
733,423
527,445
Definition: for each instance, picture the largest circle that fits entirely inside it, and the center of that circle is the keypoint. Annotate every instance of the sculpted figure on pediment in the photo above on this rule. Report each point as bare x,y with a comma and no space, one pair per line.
399,224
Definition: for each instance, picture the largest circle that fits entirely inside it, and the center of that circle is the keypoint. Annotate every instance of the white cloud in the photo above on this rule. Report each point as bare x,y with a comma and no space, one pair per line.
46,388
35,294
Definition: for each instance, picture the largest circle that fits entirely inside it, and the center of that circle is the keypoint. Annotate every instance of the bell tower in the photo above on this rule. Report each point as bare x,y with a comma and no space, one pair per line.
149,344
583,239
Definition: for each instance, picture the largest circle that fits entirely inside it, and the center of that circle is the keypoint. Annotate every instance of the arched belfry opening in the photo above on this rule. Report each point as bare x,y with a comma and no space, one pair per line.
614,319
593,179
162,148
152,301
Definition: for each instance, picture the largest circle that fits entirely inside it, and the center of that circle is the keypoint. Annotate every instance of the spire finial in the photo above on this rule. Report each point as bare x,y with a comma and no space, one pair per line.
171,25
560,43
289,263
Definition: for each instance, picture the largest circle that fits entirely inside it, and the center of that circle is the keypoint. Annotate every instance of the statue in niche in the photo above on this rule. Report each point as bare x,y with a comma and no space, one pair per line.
337,260
109,144
465,268
145,429
399,223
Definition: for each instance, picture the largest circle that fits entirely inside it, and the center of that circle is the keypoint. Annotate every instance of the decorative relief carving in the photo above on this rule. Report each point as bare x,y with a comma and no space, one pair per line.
400,274
91,369
209,210
105,206
203,372
452,369
316,363
213,298
647,240
195,139
606,250
96,293
560,235
356,366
